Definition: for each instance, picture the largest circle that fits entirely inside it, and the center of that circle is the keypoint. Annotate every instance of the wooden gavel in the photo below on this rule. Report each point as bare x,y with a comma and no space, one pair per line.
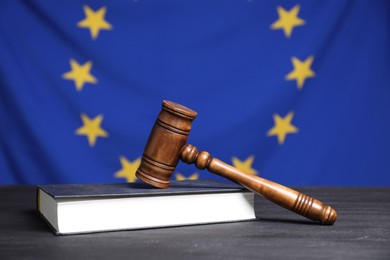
167,143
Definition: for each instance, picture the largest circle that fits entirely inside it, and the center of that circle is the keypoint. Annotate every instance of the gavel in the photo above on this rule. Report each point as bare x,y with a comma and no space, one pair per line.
167,144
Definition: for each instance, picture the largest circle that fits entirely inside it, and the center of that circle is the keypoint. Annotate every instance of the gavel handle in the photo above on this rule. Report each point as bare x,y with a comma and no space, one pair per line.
288,198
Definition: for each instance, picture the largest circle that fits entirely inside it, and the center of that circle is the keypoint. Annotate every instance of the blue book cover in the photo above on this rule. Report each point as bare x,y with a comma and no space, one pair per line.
63,191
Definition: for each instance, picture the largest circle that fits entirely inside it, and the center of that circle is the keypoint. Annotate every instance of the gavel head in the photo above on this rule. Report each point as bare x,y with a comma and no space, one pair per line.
168,136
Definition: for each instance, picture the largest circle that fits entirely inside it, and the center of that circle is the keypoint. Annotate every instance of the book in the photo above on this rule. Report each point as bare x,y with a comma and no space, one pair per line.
87,208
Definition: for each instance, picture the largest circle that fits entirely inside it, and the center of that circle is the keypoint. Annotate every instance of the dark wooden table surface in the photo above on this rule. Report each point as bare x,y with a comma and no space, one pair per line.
362,231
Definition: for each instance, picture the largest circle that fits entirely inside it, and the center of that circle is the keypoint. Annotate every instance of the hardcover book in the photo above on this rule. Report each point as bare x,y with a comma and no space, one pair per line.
79,208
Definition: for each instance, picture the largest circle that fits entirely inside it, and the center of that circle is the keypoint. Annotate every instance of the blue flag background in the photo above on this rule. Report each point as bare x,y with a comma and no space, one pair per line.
294,91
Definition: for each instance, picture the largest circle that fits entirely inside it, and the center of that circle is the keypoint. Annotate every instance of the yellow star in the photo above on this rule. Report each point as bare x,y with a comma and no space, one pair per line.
94,21
301,71
282,127
80,74
180,177
128,169
91,128
245,166
288,20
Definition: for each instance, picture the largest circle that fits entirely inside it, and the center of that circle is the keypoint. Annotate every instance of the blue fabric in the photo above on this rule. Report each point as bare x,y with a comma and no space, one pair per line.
224,59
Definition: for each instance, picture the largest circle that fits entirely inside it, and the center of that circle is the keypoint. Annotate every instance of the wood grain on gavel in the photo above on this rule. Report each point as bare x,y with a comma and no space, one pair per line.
167,144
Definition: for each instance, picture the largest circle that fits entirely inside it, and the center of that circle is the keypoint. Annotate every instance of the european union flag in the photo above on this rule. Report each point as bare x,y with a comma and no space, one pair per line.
295,91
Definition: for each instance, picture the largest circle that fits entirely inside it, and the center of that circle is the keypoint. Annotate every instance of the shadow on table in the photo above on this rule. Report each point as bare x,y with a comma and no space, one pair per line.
286,221
269,212
32,221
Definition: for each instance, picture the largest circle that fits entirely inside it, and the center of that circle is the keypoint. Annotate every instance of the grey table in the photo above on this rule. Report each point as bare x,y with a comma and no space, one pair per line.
361,232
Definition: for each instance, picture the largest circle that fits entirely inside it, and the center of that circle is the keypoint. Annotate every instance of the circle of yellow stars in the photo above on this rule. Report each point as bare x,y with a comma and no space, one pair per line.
92,128
80,74
288,20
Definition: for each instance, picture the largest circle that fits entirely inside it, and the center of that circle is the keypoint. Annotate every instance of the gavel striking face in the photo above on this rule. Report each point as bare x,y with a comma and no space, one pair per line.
167,144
